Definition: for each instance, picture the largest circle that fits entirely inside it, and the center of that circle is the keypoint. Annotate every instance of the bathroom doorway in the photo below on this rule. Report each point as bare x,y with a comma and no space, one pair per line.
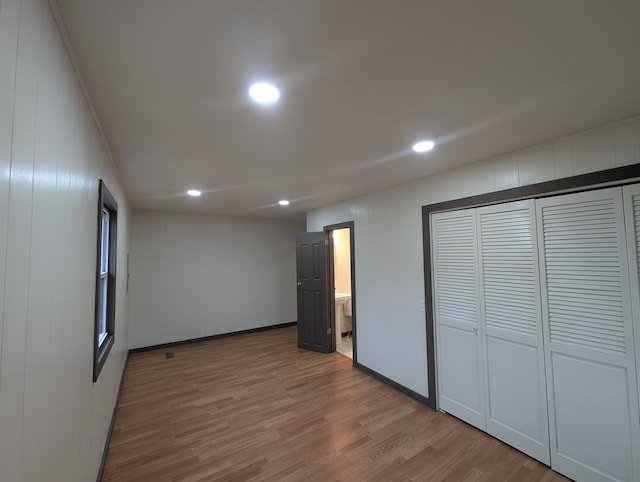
342,287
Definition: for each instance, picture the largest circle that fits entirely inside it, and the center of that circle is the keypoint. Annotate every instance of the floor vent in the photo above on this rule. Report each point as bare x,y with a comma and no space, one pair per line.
169,355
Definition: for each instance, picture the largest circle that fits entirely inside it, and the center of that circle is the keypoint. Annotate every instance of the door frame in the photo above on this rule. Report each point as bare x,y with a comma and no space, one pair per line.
584,182
331,298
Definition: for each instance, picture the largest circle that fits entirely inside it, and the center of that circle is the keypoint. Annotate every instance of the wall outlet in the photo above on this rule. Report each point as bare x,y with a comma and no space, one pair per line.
421,306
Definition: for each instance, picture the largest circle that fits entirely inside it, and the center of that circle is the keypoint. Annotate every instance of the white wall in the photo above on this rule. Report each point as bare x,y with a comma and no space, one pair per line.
391,332
53,419
194,276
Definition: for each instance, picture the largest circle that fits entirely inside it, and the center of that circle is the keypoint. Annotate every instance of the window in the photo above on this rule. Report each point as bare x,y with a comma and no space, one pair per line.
105,279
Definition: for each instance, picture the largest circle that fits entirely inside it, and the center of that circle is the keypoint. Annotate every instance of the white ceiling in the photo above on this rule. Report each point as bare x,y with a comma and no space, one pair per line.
361,81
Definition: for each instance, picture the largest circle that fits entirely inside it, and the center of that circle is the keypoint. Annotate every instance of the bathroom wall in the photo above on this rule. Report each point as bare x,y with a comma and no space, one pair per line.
388,237
53,419
342,260
194,276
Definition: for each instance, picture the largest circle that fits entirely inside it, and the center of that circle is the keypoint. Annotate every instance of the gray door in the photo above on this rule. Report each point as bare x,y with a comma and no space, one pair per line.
314,331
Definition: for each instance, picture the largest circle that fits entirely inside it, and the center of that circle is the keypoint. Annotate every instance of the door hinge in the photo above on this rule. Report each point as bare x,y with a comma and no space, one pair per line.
326,242
328,331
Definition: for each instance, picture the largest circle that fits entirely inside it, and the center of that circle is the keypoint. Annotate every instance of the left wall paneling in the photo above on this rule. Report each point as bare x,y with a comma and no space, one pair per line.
53,420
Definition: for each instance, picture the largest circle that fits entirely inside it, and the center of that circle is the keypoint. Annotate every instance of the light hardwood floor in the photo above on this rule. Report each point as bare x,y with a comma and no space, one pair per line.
254,407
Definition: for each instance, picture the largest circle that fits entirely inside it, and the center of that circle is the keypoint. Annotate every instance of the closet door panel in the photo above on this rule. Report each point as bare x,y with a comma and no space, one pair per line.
515,390
590,357
514,394
591,408
456,312
632,219
460,389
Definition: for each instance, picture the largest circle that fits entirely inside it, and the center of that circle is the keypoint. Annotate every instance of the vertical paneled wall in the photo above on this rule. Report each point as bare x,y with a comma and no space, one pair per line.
53,419
194,276
388,236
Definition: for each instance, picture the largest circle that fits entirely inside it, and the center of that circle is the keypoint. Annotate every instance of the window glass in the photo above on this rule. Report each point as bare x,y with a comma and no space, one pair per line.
102,324
105,298
104,248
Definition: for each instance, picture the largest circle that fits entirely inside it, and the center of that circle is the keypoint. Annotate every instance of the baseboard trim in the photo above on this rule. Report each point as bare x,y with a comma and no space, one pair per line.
212,337
105,450
415,396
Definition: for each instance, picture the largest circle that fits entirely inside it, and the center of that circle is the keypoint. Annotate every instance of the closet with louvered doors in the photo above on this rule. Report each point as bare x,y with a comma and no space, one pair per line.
457,308
553,328
490,361
588,335
515,392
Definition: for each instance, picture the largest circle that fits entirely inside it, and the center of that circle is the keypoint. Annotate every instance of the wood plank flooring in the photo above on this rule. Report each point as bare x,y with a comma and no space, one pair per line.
254,407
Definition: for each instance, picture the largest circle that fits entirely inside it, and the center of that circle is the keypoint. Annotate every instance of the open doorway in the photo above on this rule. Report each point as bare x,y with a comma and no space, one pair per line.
342,289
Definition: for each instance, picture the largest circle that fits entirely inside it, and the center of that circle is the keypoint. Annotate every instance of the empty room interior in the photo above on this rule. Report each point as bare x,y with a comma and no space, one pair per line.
321,240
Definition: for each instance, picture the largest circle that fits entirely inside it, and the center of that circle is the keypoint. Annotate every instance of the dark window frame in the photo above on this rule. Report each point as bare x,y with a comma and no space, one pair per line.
107,202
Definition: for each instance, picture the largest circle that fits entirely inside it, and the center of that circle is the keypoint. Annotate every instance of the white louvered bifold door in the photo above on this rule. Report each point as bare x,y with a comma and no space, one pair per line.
632,218
456,312
515,391
590,364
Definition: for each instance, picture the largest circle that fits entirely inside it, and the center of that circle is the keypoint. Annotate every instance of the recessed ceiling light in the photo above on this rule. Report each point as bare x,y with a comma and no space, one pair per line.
264,93
283,202
423,146
193,192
